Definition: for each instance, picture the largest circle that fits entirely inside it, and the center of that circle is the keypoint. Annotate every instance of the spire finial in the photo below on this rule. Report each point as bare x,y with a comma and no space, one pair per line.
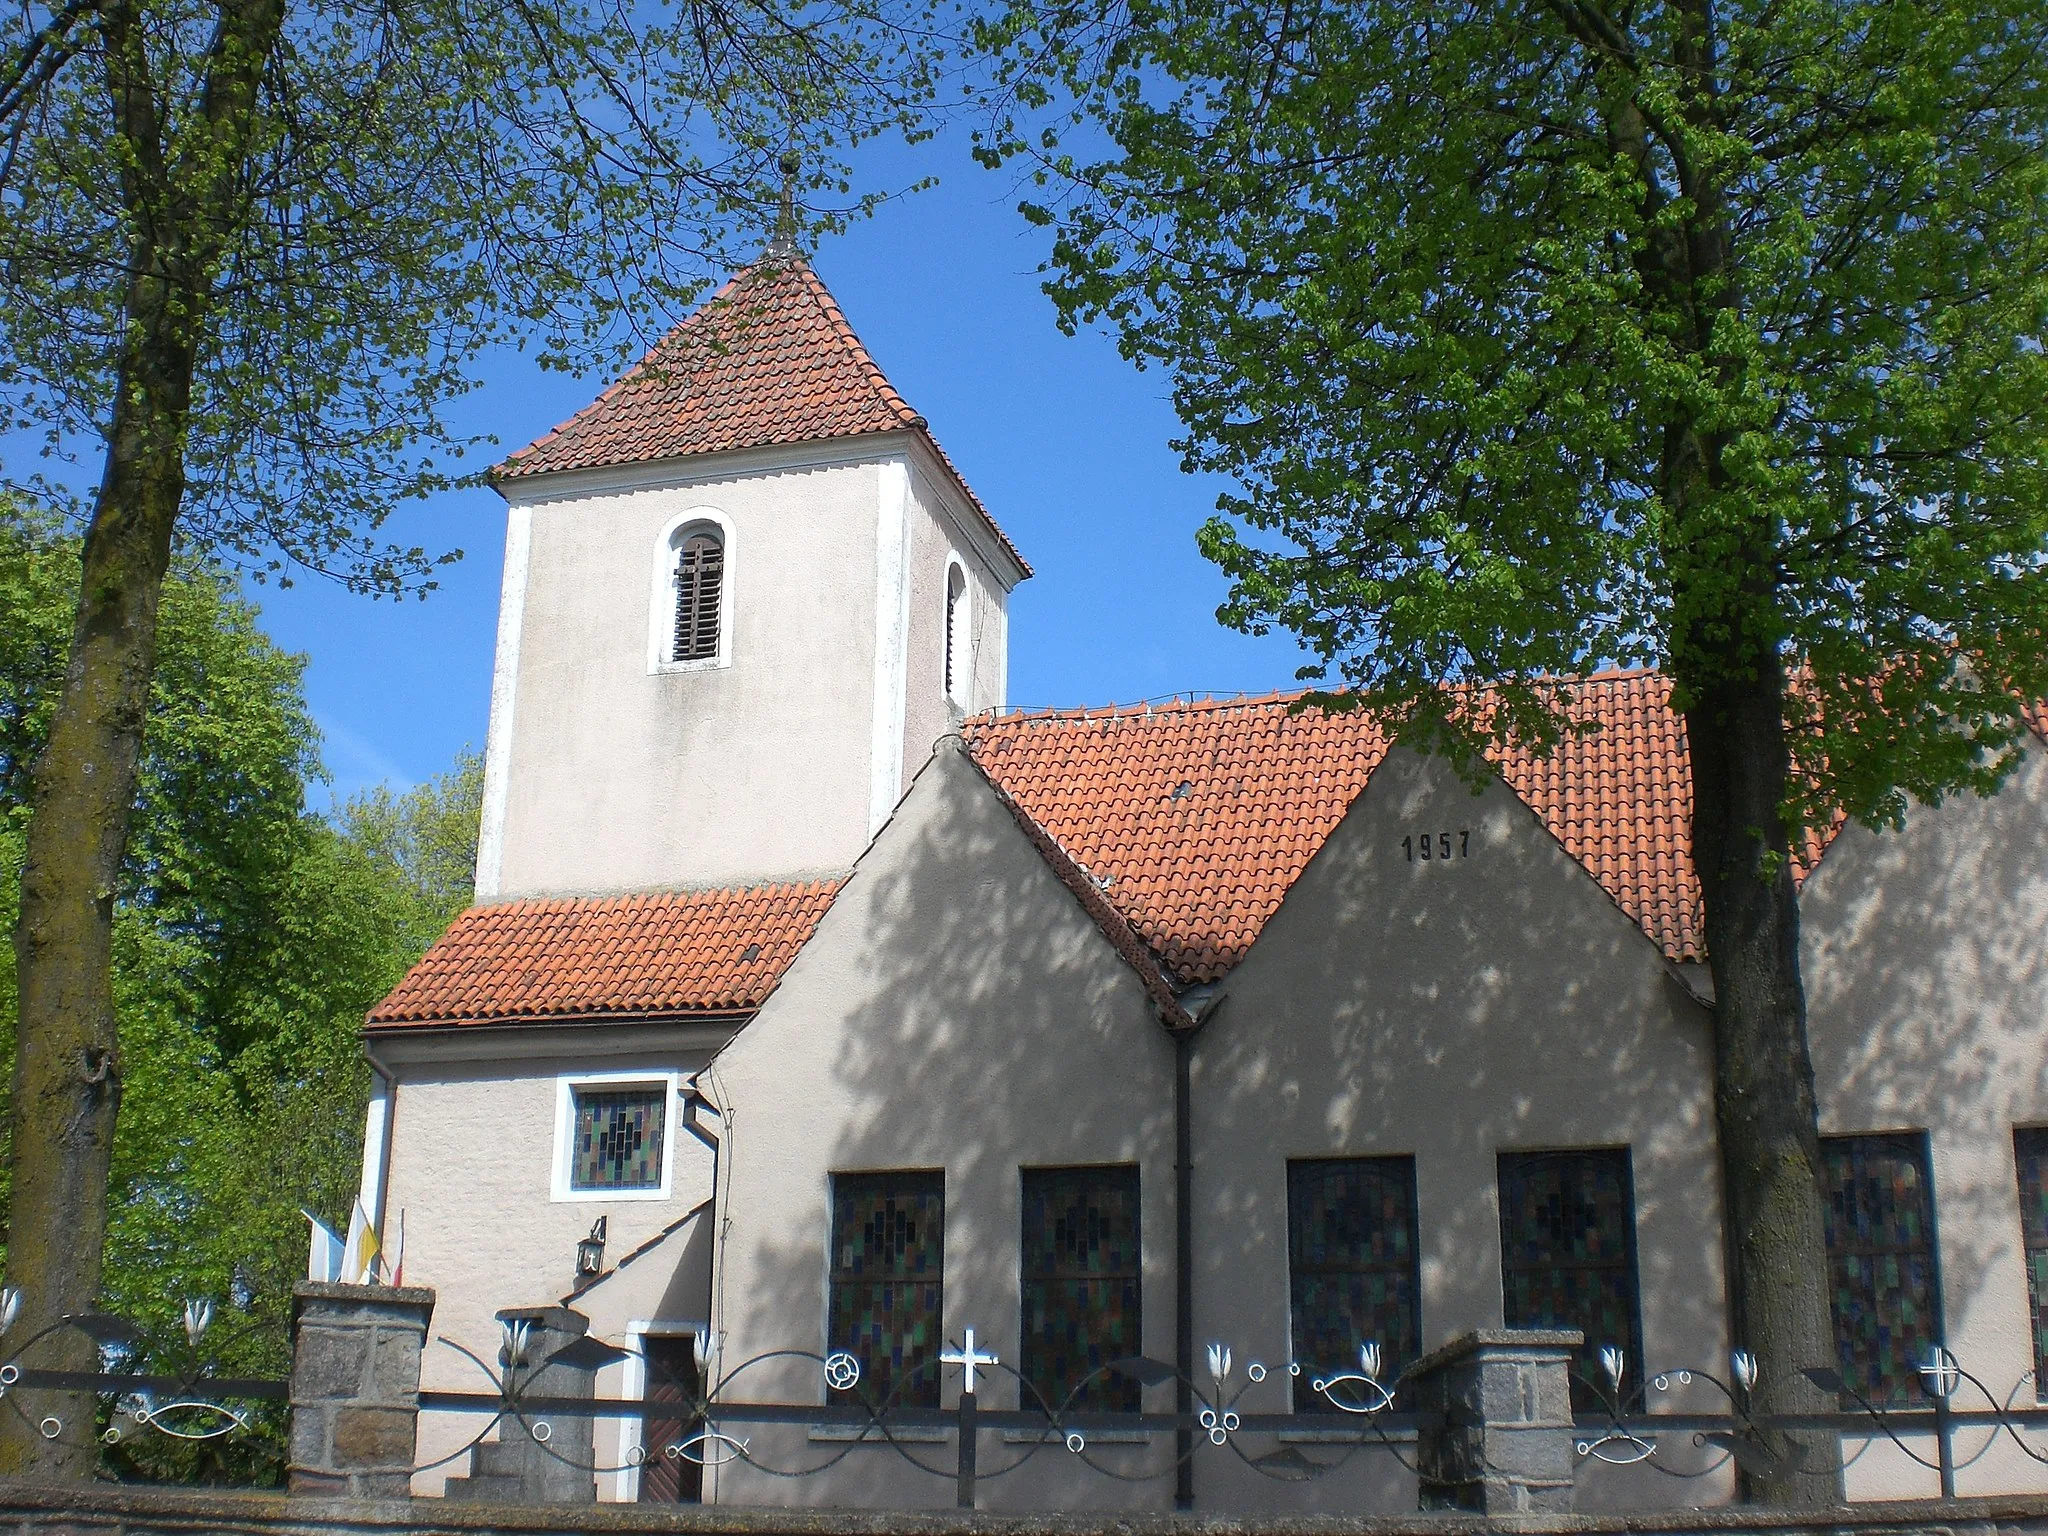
784,244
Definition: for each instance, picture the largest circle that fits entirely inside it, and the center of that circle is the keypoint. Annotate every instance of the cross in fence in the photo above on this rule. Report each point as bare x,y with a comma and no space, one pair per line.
969,1359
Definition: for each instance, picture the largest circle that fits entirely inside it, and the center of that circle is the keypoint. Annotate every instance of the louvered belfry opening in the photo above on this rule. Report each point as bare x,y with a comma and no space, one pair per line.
700,587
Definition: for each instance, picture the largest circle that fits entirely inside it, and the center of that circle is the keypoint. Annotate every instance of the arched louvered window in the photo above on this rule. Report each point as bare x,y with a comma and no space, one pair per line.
957,634
700,593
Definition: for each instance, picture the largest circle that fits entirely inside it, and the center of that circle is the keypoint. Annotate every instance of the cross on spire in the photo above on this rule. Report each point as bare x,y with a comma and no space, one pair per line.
967,1356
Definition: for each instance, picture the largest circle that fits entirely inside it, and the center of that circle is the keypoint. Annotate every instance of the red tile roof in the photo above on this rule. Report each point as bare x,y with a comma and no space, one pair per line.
1195,818
1179,828
769,359
664,953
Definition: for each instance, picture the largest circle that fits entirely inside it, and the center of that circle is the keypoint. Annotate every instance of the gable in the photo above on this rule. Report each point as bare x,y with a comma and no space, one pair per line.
957,935
1196,818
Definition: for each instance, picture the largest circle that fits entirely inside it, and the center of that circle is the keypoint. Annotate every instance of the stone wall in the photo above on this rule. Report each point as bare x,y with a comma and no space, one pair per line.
102,1510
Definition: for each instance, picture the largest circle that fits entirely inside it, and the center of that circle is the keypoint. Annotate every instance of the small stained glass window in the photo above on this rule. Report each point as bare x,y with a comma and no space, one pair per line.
1880,1229
618,1137
2030,1148
886,1292
1353,1269
1568,1256
1081,1283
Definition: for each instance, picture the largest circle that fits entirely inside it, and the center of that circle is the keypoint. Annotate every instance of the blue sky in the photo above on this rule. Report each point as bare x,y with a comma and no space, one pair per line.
1065,442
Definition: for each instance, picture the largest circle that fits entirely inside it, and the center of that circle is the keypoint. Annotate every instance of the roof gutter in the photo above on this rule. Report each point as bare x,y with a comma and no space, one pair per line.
407,1029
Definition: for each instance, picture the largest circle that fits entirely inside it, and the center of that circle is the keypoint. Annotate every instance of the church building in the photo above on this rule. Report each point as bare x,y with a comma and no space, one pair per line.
815,1002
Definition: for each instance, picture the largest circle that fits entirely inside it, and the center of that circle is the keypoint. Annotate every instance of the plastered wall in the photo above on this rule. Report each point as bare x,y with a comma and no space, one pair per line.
1451,1010
622,780
956,1009
1925,954
473,1148
608,775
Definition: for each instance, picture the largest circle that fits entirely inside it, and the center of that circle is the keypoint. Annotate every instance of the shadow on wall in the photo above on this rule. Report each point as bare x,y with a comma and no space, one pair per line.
1927,985
1450,1011
957,1010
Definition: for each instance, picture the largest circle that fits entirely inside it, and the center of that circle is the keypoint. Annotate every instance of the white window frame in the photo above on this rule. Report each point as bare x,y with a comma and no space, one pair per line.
633,1387
961,690
661,616
565,1133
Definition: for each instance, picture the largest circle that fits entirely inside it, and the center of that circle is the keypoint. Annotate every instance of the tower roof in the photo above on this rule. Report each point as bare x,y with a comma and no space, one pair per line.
768,360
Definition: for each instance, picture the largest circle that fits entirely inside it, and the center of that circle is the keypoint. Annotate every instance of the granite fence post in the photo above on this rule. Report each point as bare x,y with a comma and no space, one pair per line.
355,1388
1494,1411
542,1455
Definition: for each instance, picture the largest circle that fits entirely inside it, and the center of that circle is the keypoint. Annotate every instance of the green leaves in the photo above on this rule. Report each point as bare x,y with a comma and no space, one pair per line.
416,183
250,940
1539,337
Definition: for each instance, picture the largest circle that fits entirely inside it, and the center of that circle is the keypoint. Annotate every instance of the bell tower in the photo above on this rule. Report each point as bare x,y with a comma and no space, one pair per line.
745,592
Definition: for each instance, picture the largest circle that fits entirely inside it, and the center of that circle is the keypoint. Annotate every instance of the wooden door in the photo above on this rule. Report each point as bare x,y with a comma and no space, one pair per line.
668,1418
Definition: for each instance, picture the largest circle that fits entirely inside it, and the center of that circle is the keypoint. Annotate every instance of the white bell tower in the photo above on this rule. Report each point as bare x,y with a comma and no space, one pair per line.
744,594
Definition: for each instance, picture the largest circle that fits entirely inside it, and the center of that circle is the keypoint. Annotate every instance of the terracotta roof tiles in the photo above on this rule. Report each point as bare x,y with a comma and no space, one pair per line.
1195,818
662,953
1180,828
767,360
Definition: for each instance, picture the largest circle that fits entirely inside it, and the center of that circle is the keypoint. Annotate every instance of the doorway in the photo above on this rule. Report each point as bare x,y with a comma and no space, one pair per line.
668,1417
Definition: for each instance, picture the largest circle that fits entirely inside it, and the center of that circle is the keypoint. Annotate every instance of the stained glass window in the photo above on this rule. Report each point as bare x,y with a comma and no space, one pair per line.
1568,1255
2030,1150
1353,1269
1880,1226
1081,1282
887,1283
618,1137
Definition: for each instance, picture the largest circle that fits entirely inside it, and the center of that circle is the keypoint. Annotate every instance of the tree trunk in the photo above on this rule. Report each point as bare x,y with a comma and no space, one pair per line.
67,1065
183,200
1763,1075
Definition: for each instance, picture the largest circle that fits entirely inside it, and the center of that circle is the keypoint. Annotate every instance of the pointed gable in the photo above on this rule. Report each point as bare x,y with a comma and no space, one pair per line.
767,361
1195,818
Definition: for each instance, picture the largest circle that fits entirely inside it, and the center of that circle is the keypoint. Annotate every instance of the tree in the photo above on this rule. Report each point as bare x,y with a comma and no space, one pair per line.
249,940
253,249
1543,334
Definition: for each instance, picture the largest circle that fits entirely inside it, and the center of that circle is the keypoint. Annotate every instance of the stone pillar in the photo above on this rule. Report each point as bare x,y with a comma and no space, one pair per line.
1494,1421
555,1469
355,1388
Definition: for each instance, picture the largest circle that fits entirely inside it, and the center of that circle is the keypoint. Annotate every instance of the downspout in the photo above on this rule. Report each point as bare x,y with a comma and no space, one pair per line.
1184,1246
1184,1268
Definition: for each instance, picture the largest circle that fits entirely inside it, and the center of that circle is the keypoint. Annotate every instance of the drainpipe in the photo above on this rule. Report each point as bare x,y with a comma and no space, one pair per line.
1184,1241
1183,1269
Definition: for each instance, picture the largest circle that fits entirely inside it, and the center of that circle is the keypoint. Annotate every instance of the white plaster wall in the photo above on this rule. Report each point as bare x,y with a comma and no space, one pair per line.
936,534
1450,1011
1925,954
472,1158
956,1009
622,780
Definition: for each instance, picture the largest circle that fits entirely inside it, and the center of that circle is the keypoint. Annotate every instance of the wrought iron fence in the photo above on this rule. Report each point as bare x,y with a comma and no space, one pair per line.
1957,1422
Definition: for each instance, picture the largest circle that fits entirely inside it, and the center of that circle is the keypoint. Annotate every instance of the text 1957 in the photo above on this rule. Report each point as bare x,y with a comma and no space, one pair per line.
1431,846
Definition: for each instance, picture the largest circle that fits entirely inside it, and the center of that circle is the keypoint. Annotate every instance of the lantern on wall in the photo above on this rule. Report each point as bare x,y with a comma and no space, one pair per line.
590,1254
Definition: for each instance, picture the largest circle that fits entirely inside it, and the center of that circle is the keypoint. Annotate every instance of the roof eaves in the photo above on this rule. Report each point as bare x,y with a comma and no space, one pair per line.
429,1023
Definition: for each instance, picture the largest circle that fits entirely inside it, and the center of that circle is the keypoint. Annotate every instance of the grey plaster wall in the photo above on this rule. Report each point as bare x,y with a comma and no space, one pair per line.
1926,962
622,780
1450,1011
956,1009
